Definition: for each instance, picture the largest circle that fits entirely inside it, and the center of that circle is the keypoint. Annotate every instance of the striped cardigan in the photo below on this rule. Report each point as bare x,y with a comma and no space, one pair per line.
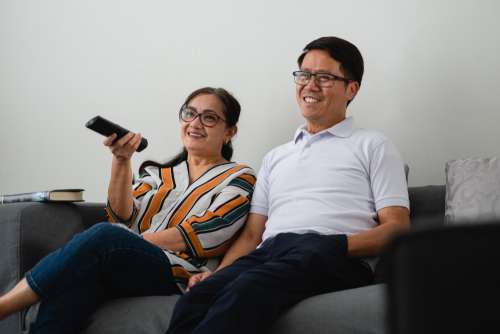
208,213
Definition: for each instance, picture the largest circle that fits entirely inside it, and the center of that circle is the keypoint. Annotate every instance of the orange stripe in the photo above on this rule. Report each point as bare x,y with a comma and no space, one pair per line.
193,237
249,178
182,211
166,176
222,249
181,272
221,211
142,189
194,240
109,216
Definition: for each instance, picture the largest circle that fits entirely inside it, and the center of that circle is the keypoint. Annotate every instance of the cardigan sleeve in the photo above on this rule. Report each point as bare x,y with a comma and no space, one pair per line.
212,233
142,191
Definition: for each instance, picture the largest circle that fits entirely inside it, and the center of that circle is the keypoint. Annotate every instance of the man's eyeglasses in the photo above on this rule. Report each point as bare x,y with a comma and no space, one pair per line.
322,79
207,118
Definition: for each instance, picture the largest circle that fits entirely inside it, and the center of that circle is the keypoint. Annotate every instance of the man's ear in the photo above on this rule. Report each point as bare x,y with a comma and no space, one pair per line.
352,89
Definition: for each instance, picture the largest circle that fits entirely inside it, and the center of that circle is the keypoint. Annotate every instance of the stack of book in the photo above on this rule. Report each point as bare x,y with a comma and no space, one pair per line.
56,195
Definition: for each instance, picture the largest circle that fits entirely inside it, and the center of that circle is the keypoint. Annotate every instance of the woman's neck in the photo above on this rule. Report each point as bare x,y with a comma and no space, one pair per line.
204,161
198,165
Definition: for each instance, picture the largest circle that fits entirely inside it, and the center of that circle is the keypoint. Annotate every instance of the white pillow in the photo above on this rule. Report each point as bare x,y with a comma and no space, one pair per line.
472,191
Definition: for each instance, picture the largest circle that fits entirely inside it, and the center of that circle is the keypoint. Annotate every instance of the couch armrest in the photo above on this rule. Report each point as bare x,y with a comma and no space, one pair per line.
445,280
29,231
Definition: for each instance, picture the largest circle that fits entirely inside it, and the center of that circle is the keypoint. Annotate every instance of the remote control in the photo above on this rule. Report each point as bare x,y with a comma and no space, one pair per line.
107,128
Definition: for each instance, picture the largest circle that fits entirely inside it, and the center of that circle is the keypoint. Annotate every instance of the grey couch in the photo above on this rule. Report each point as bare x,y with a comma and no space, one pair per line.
28,231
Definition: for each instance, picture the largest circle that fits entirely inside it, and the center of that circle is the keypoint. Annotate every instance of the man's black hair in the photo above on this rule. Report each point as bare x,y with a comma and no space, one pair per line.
346,53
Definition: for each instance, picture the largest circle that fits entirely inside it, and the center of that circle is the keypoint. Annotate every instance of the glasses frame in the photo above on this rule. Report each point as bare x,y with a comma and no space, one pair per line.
332,77
200,114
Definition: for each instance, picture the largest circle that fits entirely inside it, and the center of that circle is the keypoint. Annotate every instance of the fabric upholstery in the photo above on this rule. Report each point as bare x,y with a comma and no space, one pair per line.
445,280
472,190
151,315
28,231
360,311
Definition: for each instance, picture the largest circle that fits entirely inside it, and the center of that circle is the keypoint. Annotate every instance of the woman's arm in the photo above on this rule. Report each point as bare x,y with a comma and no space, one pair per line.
211,233
120,185
169,238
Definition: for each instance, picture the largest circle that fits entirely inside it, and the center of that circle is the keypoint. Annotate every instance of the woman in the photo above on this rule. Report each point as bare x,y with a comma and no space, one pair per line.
184,213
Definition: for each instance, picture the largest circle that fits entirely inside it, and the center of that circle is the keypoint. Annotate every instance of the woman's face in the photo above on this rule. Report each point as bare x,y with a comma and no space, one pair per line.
202,140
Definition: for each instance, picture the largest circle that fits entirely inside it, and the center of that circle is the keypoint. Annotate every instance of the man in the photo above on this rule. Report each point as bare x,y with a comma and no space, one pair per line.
324,206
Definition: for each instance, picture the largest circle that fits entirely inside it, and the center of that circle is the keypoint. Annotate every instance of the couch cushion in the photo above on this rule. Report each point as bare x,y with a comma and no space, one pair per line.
140,315
360,310
472,190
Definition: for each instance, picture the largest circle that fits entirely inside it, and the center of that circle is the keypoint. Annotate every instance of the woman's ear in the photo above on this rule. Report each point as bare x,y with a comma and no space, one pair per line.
230,133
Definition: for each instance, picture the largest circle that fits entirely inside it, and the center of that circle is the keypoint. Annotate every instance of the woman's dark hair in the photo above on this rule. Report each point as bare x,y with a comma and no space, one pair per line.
231,111
346,53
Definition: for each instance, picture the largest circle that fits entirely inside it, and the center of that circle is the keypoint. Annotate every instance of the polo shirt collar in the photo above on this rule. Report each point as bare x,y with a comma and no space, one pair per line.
343,129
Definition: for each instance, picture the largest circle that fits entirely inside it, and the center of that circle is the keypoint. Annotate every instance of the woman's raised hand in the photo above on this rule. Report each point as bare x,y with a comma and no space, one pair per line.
123,148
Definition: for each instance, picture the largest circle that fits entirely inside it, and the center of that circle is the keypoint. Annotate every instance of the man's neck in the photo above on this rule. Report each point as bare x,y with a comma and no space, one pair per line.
313,126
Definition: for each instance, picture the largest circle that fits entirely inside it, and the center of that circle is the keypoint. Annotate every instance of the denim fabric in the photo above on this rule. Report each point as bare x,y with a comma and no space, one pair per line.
249,295
99,264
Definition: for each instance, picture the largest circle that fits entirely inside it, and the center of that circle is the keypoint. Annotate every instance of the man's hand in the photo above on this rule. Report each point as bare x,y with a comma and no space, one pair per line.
195,279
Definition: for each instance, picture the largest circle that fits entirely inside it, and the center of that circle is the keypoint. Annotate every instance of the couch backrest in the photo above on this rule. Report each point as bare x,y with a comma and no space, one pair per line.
427,206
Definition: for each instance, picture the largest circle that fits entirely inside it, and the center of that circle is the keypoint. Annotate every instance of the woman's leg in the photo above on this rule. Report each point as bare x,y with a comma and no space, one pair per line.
20,297
101,263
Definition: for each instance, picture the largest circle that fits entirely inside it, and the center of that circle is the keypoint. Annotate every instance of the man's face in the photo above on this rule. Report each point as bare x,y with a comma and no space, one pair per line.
324,105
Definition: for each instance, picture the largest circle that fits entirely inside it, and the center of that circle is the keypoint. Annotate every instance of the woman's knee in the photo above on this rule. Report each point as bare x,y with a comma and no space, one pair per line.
104,230
96,235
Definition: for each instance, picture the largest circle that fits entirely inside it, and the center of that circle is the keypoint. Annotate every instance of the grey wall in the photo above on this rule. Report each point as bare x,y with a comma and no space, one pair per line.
431,80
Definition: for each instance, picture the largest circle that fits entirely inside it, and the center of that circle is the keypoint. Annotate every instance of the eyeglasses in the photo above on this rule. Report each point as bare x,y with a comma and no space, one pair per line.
322,79
207,118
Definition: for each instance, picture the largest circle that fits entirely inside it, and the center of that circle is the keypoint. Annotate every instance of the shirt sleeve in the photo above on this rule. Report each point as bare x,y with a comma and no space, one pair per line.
260,199
387,176
142,191
212,233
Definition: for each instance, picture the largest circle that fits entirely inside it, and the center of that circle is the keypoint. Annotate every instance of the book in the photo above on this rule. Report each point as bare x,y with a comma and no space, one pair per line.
55,195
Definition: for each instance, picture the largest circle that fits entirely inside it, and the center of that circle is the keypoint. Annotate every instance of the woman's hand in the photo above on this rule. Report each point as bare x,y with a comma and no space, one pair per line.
123,148
150,237
195,279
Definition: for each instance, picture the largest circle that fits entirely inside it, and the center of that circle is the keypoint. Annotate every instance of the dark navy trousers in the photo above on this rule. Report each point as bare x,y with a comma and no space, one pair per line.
249,295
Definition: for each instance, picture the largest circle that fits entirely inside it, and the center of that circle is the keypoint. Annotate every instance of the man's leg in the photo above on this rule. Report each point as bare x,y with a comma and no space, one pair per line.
300,266
194,305
101,263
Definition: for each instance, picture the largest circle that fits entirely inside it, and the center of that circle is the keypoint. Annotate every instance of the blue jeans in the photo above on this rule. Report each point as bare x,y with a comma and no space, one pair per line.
99,264
249,295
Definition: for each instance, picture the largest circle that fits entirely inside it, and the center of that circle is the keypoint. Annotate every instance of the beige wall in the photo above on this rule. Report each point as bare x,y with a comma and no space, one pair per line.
431,82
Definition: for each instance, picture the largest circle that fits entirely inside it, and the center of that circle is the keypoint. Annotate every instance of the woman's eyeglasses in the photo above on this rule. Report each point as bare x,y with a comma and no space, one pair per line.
207,118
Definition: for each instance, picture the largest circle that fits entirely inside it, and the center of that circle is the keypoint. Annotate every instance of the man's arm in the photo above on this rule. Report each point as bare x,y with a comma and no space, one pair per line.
248,240
393,220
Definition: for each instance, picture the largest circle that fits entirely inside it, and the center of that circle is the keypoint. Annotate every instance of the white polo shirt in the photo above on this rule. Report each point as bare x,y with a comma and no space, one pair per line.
331,182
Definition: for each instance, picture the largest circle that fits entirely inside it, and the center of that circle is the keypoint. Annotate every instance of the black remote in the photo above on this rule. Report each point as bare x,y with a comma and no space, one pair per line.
107,128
